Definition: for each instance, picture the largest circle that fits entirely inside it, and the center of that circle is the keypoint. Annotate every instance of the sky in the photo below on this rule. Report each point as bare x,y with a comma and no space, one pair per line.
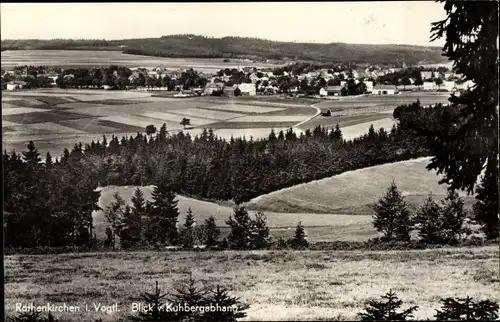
391,22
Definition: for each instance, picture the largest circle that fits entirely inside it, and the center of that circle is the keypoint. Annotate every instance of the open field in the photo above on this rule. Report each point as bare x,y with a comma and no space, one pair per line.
278,285
93,113
89,58
344,194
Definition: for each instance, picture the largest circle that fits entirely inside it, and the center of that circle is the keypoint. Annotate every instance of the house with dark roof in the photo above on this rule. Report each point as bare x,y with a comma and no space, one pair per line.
384,90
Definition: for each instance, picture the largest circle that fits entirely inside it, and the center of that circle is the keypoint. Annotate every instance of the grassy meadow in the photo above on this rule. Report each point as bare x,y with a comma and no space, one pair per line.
344,194
278,285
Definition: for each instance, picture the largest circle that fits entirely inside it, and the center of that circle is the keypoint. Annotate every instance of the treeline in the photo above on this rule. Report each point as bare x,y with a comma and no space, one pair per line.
117,77
237,47
155,224
210,167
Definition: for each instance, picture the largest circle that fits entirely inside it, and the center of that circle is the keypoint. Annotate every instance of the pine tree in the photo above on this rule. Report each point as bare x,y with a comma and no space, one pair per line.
157,312
163,216
259,232
392,216
211,232
32,156
231,308
429,222
48,161
299,240
486,206
188,230
131,226
466,309
453,217
114,215
241,228
386,310
189,294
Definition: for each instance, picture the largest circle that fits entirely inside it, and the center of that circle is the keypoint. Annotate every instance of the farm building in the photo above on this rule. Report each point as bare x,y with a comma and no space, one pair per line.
247,89
384,90
15,85
330,91
211,87
447,85
429,86
426,74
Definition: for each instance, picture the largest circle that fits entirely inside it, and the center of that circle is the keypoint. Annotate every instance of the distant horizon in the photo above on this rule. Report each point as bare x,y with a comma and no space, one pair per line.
367,23
229,36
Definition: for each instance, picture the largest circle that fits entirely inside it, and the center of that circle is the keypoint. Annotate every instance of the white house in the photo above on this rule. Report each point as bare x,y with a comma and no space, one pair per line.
12,86
323,92
429,86
247,89
384,90
448,85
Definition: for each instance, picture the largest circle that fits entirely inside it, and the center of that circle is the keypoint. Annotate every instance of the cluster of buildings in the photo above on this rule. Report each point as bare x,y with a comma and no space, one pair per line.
264,81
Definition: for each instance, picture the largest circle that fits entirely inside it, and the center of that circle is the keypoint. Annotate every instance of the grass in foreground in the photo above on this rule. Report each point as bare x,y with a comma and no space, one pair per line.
278,285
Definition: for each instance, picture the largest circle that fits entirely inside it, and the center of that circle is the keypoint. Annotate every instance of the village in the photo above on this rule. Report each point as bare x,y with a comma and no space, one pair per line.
295,80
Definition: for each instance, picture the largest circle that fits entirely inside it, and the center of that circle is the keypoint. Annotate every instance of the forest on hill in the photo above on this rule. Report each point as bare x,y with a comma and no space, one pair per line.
193,46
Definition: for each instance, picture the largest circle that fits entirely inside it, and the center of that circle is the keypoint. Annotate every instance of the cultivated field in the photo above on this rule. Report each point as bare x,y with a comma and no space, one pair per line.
278,285
57,119
365,110
88,58
344,194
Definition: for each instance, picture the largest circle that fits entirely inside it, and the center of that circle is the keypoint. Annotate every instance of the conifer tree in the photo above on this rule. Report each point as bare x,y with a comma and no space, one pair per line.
48,161
465,309
114,215
386,310
453,217
189,294
130,234
486,206
158,312
429,222
299,240
241,228
392,216
259,232
211,232
188,230
231,307
32,156
163,216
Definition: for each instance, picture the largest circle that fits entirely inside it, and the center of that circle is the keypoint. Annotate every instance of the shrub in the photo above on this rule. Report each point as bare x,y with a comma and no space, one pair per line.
386,310
299,240
465,309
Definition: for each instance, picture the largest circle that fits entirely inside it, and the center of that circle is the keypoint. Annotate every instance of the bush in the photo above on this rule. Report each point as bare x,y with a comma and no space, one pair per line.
386,310
466,309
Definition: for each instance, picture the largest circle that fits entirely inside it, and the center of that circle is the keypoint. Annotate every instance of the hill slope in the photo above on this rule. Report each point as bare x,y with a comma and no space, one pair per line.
237,47
354,192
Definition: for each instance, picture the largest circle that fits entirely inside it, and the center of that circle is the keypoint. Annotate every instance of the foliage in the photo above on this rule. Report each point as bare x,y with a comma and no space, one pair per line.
465,309
428,221
468,142
229,308
486,206
392,216
299,240
211,232
387,309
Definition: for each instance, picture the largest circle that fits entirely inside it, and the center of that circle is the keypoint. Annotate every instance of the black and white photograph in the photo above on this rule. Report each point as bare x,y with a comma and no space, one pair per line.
250,161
